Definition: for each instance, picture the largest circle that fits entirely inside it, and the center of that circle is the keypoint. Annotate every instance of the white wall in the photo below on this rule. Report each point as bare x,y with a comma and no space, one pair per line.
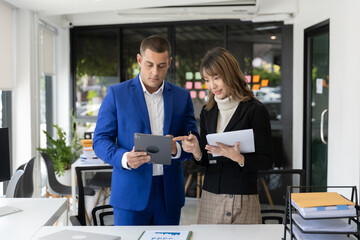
25,100
344,97
24,95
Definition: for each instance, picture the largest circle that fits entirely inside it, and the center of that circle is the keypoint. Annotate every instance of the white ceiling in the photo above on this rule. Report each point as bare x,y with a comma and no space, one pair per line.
94,12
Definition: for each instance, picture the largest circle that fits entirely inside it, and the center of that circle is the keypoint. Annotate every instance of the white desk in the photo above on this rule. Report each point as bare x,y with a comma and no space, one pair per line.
37,212
200,232
79,163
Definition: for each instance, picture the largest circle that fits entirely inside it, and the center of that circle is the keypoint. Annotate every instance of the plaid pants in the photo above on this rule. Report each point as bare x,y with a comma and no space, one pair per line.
229,209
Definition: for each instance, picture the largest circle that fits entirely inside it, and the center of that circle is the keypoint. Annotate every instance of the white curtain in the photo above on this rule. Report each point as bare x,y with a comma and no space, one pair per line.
46,51
6,46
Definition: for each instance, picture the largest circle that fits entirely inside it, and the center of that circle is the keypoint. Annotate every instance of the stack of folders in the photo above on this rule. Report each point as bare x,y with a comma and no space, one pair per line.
88,154
322,205
315,208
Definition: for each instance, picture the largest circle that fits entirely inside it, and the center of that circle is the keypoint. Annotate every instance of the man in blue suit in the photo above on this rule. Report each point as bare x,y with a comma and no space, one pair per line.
143,193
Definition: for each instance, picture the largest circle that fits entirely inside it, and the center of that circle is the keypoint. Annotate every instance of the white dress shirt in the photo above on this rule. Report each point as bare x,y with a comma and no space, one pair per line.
155,105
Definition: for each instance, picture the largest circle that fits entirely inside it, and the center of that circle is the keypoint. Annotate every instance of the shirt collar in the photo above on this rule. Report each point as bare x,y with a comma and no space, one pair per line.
160,90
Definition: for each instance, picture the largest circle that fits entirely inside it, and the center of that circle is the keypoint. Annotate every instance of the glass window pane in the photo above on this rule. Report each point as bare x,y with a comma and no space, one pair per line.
132,38
192,42
97,55
257,47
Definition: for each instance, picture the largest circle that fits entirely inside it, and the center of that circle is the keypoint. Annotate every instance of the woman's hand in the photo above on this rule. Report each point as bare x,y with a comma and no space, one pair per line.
232,153
190,144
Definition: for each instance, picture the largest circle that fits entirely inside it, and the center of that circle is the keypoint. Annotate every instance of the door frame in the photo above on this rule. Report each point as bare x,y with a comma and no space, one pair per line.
309,33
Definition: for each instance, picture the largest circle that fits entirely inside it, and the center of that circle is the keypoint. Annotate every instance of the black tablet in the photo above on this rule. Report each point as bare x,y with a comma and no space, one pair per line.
159,147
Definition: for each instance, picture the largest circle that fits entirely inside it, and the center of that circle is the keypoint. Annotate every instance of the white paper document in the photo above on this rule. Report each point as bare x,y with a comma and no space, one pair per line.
323,225
165,235
317,236
244,137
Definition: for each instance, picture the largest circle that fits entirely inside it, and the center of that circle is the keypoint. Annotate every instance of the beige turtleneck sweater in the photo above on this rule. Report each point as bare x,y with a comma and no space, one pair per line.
227,107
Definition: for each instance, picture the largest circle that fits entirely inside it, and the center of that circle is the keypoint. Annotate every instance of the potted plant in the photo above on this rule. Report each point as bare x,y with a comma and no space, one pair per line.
62,152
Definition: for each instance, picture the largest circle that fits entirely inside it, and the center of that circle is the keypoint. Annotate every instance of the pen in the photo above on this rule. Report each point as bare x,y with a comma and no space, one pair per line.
189,136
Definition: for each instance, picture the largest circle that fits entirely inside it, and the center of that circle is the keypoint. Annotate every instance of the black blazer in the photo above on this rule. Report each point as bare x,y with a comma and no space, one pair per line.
226,176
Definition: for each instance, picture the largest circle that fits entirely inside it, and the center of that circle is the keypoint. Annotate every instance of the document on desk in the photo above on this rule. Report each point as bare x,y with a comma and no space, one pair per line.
168,235
244,137
323,225
317,236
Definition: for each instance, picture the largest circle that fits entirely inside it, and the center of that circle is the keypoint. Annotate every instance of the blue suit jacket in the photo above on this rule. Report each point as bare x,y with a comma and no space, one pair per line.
123,112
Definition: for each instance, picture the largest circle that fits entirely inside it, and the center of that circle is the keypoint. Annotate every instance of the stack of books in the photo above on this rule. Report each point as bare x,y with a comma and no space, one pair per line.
315,209
88,154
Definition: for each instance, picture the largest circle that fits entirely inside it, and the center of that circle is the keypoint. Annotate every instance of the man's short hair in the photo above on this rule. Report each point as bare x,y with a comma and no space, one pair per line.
156,44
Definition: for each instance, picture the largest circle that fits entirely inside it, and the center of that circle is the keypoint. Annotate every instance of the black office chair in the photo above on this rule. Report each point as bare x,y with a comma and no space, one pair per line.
55,187
80,219
103,214
26,186
101,180
193,170
272,216
272,185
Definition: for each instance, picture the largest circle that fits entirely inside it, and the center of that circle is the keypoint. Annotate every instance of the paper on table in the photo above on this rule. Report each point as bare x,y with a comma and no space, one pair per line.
168,235
244,137
327,225
317,236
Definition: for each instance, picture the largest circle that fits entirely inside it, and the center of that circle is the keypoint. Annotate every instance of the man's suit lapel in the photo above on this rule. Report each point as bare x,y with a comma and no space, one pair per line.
139,98
168,107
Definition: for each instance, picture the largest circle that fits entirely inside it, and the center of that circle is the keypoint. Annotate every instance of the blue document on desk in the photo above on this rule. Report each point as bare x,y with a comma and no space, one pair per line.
244,137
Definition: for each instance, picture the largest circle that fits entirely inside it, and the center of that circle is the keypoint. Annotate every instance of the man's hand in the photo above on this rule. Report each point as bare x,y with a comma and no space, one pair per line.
136,159
190,144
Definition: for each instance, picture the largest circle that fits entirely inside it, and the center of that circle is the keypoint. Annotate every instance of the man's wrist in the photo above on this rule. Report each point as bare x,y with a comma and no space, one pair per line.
124,162
178,152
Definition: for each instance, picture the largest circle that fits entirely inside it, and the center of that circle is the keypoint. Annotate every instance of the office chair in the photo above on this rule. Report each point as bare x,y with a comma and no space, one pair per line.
102,180
26,186
55,187
194,169
80,219
100,213
272,185
13,188
272,215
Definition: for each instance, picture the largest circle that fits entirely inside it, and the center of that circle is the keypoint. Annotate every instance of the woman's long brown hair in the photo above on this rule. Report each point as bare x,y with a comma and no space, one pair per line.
219,61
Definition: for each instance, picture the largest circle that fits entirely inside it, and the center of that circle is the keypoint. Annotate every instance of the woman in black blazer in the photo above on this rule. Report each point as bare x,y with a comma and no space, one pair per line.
230,194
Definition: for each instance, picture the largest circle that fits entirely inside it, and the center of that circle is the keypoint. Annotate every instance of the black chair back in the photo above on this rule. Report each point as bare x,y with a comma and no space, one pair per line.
80,218
26,184
54,184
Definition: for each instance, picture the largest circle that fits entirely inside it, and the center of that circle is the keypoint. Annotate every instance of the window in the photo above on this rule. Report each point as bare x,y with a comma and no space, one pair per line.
192,42
106,55
96,66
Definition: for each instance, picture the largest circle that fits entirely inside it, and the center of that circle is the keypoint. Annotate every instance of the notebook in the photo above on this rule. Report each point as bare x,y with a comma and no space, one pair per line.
72,234
8,210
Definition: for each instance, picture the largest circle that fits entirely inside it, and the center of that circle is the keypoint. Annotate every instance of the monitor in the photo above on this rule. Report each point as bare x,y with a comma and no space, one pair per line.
4,155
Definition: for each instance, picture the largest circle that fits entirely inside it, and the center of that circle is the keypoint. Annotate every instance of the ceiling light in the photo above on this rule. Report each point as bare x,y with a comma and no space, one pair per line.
273,37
